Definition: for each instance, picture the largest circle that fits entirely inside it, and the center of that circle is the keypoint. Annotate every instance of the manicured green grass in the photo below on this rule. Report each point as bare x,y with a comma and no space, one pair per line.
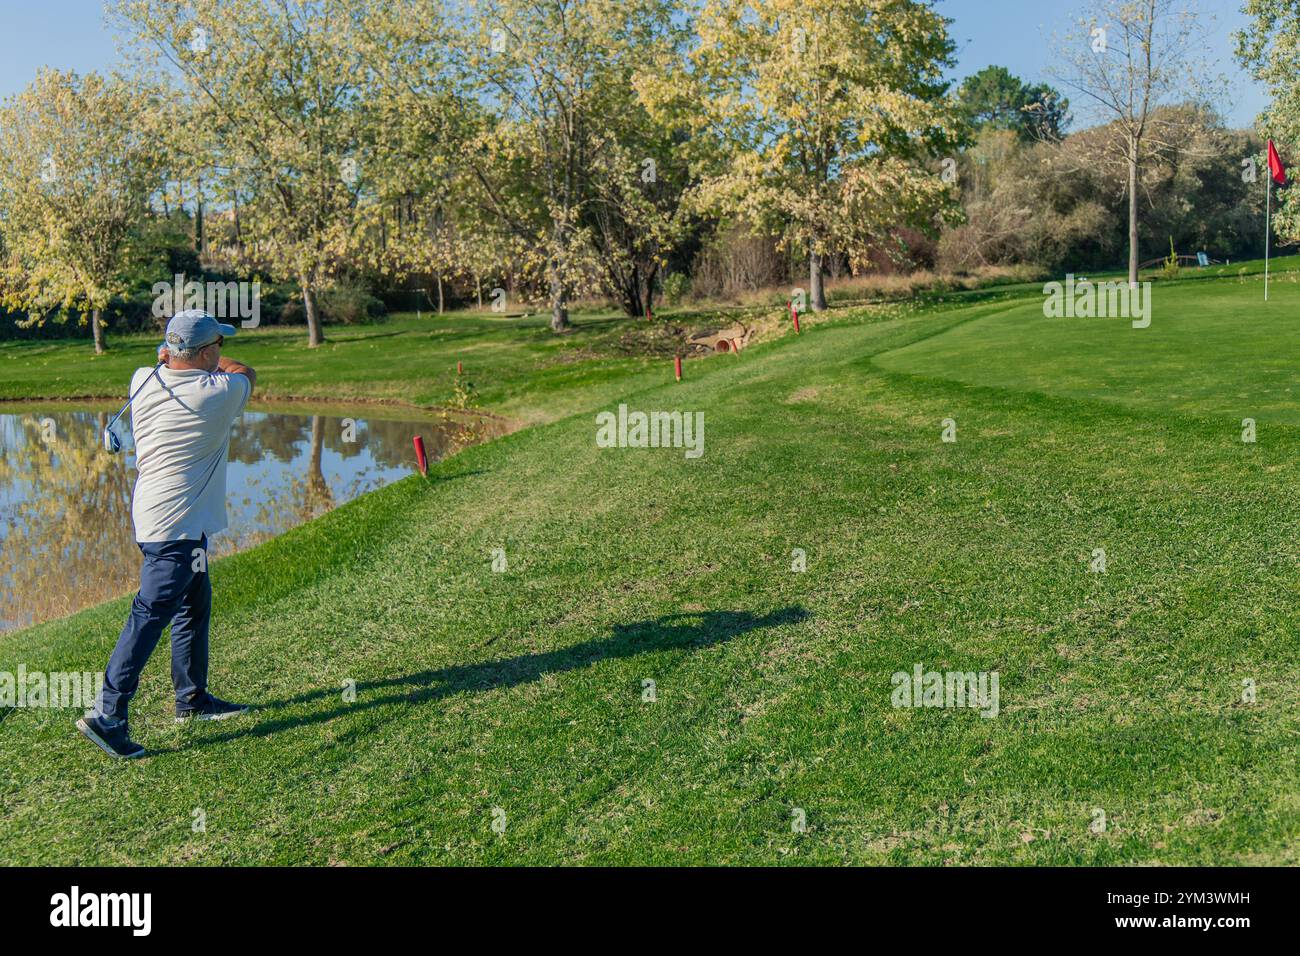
516,366
1119,691
1212,348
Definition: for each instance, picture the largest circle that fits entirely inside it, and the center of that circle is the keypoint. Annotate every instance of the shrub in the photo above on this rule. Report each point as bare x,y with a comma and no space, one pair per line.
675,287
347,303
1171,269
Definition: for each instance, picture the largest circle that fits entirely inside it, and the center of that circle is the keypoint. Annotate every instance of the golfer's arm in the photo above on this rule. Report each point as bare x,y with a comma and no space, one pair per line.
232,367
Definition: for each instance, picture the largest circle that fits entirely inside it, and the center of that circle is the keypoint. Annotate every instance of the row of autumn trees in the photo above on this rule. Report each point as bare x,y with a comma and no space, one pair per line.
578,144
571,138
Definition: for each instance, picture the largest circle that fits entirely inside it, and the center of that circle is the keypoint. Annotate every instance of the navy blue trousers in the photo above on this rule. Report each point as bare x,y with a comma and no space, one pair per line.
174,589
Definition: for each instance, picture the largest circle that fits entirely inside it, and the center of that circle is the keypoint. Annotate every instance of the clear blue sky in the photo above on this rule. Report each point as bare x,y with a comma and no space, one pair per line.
1017,34
71,34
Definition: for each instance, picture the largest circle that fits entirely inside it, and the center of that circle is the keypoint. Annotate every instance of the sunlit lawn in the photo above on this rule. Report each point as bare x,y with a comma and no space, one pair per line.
523,692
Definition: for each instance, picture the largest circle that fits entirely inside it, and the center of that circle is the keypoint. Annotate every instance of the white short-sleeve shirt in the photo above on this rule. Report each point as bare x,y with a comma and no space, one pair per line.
181,427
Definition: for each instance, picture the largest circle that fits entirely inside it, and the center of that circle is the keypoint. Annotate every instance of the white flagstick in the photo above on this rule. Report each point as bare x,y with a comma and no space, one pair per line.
1268,229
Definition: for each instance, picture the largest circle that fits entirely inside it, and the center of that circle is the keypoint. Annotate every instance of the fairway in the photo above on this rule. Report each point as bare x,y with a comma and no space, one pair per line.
519,697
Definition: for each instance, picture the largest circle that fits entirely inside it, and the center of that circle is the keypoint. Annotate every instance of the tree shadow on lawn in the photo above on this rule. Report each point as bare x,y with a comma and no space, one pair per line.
693,630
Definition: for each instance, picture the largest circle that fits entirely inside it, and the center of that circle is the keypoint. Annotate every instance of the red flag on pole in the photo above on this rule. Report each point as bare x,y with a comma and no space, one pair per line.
1275,167
1277,174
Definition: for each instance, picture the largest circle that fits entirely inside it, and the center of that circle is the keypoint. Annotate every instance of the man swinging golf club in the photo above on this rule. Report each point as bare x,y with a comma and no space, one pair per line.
181,416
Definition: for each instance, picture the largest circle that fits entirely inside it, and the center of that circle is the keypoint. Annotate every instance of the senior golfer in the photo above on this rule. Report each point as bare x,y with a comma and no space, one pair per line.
181,422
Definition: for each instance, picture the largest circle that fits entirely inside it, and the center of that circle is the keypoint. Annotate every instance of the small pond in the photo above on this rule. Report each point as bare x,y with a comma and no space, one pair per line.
66,538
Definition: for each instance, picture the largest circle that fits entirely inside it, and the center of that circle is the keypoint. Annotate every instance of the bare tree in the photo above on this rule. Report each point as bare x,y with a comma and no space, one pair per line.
1127,58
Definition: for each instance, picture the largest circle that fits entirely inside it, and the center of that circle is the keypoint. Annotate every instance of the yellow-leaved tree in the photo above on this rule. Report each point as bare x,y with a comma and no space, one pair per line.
831,115
540,92
282,92
82,157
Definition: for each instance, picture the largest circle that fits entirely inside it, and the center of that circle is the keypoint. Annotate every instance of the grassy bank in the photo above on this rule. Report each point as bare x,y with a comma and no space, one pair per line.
521,695
516,367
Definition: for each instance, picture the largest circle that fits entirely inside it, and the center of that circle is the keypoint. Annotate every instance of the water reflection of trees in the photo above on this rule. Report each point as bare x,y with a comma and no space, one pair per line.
65,508
283,437
256,435
66,518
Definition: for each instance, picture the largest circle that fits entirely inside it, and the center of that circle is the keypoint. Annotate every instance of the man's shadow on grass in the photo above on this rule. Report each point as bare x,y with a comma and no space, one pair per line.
686,631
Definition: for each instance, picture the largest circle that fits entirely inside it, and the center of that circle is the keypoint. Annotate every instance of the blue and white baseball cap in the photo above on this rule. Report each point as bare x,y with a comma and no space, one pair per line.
193,329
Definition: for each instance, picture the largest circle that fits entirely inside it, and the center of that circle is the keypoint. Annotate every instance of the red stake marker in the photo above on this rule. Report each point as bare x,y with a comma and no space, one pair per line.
794,316
649,316
460,369
677,366
421,460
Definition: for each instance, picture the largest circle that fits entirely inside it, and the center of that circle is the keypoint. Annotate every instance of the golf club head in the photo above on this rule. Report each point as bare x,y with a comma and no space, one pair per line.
112,444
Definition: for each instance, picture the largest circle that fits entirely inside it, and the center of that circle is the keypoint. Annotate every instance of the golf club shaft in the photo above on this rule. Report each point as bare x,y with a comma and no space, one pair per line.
133,395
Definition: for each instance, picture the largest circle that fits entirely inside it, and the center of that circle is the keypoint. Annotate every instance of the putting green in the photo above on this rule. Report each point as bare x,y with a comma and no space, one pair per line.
1212,349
